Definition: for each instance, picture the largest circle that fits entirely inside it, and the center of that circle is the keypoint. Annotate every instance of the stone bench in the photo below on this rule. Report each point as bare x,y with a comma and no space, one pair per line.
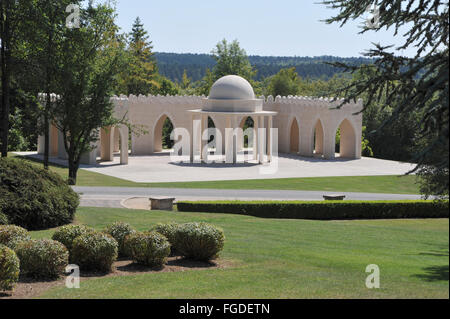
334,197
161,203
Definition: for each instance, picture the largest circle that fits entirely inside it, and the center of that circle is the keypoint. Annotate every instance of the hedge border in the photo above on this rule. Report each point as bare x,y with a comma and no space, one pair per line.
323,210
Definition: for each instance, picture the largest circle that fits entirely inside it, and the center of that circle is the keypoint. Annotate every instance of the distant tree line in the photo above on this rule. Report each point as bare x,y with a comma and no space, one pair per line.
173,65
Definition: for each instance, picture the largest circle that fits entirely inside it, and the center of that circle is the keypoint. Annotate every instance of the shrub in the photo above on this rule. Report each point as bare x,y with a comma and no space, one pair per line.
94,251
3,219
148,248
35,198
199,241
11,235
119,231
9,268
67,234
169,231
324,210
42,258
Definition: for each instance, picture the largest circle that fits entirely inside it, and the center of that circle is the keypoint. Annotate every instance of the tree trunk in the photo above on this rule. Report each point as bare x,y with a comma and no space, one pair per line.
73,171
5,58
48,89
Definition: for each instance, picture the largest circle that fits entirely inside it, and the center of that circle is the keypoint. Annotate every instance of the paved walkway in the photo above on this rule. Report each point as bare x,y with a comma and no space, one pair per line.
113,196
158,168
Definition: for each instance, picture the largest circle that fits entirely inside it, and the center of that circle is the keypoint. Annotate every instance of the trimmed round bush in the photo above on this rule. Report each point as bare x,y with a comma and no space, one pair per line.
199,241
9,268
94,251
35,198
67,234
3,219
169,231
42,258
11,235
119,231
148,248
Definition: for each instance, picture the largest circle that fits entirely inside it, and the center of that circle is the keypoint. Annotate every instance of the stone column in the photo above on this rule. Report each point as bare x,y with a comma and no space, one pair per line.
255,137
269,138
203,143
107,142
261,139
123,136
191,140
228,140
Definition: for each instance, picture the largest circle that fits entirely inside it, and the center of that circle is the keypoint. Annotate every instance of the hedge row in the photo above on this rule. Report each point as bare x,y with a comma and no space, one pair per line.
325,210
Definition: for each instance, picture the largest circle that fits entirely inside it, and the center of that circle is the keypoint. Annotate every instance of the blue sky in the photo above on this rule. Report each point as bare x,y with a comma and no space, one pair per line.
263,27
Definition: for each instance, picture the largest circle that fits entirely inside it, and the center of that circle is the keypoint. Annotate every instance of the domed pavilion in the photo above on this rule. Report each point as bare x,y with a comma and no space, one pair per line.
232,98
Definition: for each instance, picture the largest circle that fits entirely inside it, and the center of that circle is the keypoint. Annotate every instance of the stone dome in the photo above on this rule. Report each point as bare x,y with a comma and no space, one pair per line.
231,87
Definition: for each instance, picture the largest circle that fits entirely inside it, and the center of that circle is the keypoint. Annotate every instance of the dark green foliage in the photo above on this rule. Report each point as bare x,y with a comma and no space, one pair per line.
9,268
43,258
172,65
284,83
148,248
417,86
167,143
94,251
199,241
119,231
35,198
3,219
11,235
326,210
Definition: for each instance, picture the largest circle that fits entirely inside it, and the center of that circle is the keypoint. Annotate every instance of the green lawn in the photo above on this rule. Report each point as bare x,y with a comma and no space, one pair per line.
366,184
287,259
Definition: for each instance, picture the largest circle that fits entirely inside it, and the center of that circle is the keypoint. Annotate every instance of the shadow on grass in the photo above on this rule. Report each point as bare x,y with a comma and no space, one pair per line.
189,263
434,273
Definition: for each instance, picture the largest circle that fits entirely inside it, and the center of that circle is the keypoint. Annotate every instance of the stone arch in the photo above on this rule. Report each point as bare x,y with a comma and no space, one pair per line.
294,135
348,142
158,130
244,140
318,138
108,137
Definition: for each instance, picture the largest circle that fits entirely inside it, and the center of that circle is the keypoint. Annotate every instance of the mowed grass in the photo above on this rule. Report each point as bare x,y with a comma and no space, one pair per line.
273,258
390,184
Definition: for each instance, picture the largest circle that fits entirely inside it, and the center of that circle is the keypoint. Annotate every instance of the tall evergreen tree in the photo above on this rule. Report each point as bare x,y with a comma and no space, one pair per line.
139,76
408,84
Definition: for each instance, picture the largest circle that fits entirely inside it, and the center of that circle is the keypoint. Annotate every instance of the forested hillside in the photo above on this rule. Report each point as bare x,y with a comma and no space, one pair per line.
172,65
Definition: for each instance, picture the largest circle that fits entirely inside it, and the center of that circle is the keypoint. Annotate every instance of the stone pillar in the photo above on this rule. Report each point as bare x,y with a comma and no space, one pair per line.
261,140
107,142
255,137
228,140
269,138
203,143
191,140
123,136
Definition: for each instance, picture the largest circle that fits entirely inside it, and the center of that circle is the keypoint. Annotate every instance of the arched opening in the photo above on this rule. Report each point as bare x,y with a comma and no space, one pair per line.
346,140
318,139
294,147
211,124
163,129
246,122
